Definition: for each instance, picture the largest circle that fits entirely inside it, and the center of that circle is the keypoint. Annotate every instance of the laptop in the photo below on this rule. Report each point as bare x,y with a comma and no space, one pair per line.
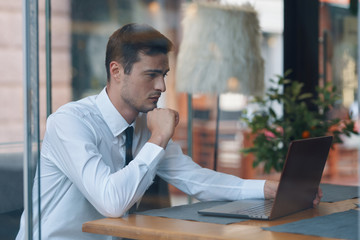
298,184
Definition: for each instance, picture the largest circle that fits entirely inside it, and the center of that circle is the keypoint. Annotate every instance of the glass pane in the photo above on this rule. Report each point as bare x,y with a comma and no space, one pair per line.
338,65
11,118
11,187
80,31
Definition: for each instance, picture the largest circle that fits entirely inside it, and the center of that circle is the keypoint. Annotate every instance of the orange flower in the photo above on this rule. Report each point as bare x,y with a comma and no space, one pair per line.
305,134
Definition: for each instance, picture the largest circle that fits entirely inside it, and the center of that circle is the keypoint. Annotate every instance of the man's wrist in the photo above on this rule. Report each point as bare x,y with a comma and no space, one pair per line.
270,189
159,140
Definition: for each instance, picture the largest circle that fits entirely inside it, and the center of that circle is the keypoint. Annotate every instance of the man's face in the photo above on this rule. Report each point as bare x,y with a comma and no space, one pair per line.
141,89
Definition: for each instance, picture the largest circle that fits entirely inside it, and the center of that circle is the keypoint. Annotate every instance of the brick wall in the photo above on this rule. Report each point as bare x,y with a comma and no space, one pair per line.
11,65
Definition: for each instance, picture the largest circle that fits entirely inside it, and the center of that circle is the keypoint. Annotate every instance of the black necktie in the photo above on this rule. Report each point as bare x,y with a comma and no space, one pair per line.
128,143
128,156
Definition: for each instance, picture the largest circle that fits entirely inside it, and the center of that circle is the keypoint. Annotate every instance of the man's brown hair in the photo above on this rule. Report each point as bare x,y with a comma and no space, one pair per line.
125,44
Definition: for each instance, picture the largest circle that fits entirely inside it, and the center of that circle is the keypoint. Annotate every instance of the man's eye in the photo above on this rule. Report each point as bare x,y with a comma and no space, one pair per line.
151,75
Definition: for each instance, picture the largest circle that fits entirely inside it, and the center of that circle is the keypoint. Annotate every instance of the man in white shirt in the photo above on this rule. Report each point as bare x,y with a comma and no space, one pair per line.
83,172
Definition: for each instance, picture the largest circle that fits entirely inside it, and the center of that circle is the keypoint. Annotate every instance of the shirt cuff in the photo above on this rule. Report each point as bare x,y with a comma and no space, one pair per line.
254,189
151,154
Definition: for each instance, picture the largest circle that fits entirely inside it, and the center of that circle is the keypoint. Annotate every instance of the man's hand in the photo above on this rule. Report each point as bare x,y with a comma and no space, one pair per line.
318,197
161,123
270,189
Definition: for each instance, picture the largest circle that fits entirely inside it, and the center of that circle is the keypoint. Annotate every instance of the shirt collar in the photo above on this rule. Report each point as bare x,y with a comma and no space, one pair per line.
112,117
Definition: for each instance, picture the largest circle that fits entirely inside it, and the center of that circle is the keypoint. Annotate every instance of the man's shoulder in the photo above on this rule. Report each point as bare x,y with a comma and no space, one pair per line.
84,111
80,108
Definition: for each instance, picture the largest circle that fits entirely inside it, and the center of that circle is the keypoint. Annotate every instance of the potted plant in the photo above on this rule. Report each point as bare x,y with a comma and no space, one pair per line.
273,132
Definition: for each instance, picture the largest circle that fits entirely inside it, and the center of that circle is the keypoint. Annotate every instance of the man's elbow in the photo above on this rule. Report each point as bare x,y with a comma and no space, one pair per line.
113,212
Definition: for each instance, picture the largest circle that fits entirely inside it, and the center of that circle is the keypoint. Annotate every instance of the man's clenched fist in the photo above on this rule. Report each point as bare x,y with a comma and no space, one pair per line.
161,123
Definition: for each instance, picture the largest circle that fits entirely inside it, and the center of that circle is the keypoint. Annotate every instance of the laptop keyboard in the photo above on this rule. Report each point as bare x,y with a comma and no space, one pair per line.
260,211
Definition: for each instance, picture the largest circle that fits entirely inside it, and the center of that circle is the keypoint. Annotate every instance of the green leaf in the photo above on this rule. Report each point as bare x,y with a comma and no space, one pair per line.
287,72
272,113
270,149
305,96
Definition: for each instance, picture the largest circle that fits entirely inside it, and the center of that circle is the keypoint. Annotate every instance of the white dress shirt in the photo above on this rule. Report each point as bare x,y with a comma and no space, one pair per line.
83,176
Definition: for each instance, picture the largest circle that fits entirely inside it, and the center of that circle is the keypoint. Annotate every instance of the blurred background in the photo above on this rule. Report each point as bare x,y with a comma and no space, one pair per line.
79,33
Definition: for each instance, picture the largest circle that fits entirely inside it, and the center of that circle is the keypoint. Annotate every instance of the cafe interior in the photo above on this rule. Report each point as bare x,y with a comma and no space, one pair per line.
247,78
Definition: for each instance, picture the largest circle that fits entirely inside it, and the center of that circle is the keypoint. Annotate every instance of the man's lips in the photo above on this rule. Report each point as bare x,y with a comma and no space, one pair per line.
154,98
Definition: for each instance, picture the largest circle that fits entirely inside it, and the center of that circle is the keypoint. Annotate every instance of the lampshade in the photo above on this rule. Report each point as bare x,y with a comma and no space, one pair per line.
220,50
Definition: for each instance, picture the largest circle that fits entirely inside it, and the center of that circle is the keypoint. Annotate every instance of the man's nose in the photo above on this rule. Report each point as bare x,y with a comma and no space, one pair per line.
160,84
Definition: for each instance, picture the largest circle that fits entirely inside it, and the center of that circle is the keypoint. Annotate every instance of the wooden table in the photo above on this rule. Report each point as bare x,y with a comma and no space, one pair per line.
148,227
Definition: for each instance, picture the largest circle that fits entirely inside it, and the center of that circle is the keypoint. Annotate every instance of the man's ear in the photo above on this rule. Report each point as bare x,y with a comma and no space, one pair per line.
116,70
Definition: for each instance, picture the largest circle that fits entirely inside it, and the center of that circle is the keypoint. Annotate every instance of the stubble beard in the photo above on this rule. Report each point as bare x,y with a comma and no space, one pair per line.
141,108
145,110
